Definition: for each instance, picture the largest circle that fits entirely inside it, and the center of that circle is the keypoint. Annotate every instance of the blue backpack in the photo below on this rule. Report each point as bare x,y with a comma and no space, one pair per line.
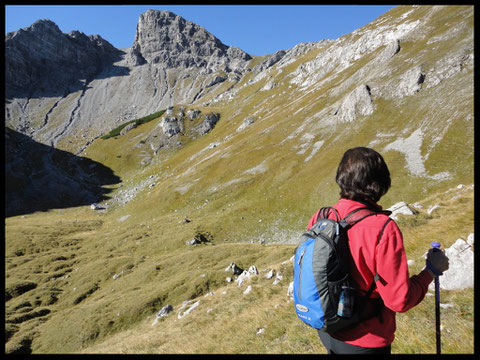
325,296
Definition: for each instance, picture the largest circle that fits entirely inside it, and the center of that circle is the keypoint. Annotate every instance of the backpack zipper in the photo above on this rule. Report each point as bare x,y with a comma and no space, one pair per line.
300,263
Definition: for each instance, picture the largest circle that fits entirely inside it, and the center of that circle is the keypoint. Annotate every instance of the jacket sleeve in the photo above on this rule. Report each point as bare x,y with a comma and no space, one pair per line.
313,220
398,290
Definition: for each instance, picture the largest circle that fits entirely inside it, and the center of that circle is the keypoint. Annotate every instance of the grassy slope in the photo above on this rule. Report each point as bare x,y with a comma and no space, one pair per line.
117,316
218,189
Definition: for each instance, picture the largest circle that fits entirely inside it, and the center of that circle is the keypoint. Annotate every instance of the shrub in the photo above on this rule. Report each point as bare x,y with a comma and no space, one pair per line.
143,120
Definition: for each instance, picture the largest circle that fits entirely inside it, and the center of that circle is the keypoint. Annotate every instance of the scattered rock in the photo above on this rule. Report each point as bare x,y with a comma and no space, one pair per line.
432,208
247,122
95,206
189,310
236,269
246,275
278,278
116,276
162,313
270,274
290,290
401,208
446,306
193,114
260,331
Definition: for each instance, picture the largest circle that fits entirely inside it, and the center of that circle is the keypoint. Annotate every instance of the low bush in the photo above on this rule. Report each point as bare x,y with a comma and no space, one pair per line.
143,120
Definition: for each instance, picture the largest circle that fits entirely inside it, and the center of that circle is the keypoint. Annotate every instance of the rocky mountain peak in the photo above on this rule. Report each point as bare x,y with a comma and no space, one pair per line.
42,57
163,37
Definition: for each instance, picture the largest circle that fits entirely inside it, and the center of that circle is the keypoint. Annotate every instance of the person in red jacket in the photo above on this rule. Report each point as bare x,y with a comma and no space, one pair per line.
376,244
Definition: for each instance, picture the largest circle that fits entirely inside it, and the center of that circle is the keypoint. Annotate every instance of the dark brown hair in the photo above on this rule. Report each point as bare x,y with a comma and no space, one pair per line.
363,174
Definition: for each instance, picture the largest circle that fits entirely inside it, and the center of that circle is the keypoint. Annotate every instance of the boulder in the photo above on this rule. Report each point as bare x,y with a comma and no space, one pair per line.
460,273
171,126
207,124
235,269
357,103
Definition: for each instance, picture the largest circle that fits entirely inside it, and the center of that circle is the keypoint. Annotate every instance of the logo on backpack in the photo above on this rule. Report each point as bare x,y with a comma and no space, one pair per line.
322,286
301,308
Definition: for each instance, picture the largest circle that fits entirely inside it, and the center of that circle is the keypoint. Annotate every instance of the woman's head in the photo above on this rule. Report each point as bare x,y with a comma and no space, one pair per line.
363,174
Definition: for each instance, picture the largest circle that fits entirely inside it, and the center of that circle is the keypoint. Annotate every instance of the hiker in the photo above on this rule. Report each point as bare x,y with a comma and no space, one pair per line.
364,178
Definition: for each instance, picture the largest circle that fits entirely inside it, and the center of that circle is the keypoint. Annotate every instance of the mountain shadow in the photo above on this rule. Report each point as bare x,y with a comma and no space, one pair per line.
39,177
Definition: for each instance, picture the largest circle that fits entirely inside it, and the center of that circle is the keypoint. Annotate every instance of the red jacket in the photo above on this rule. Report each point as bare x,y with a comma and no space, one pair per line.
398,290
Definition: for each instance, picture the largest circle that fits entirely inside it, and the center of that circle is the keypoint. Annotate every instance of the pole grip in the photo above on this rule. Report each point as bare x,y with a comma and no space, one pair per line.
436,246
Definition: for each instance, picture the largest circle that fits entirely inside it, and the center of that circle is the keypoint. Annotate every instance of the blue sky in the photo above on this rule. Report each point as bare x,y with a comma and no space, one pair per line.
256,29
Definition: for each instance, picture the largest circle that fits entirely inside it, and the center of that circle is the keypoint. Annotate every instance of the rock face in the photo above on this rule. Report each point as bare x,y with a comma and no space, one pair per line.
165,38
41,56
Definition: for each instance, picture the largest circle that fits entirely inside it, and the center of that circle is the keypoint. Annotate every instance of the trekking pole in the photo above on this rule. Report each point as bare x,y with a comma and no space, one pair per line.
436,247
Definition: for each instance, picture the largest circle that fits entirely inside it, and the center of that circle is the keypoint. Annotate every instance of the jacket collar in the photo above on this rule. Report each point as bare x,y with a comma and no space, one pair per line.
357,203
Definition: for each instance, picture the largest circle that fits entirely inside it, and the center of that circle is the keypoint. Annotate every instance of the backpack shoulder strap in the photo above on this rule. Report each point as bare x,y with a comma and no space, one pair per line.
377,277
358,215
324,213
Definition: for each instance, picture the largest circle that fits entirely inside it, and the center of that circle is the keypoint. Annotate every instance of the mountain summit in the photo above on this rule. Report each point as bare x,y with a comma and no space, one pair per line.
41,60
166,38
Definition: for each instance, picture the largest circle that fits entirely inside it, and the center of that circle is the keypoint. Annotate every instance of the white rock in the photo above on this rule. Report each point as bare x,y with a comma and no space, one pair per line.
470,239
278,278
460,273
243,276
247,290
400,208
446,306
189,310
432,208
270,274
246,275
410,262
290,290
253,270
